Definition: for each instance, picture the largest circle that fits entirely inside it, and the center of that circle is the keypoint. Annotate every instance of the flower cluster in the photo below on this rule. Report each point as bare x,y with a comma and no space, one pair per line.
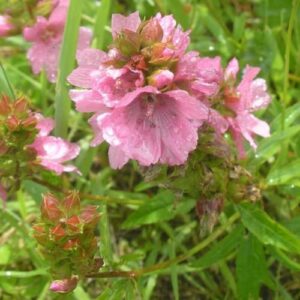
150,96
46,36
65,233
15,15
26,144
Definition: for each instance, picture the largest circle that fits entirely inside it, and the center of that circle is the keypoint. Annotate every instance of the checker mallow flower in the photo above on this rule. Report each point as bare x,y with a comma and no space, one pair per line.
52,152
242,100
141,107
25,142
46,37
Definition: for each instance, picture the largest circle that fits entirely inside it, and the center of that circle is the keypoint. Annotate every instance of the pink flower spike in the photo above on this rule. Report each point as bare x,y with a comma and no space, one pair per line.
120,23
5,25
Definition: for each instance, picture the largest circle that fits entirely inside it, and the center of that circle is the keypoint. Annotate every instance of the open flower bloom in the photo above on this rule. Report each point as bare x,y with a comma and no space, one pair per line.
139,108
46,36
53,152
5,25
249,96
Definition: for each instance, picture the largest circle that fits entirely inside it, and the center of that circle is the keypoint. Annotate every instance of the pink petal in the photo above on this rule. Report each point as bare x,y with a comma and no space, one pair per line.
231,70
258,97
80,77
44,125
87,100
120,22
129,97
54,151
117,158
91,57
84,38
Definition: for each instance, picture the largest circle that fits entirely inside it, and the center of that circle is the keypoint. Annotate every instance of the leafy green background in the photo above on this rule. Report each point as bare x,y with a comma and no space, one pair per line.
255,255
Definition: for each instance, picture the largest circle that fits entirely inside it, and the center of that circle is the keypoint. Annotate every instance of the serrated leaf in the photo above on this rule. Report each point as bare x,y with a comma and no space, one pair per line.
162,207
220,250
267,230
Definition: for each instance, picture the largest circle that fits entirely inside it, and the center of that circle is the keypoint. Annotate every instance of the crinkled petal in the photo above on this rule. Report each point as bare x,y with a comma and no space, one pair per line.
131,96
87,100
120,22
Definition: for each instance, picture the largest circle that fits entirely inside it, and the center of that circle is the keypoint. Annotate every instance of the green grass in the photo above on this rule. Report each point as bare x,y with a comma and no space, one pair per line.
252,251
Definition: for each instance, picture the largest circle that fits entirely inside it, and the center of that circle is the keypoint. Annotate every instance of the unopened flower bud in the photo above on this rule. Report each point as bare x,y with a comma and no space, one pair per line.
74,224
71,244
20,105
12,123
58,232
40,234
49,208
4,106
31,121
90,215
151,33
66,285
71,204
161,78
128,43
3,148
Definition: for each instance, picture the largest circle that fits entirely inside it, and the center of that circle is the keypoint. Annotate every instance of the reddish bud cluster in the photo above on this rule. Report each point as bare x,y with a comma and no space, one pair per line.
66,235
19,17
17,130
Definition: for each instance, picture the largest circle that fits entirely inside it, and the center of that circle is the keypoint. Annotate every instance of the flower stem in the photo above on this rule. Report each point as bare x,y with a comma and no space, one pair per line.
163,265
100,198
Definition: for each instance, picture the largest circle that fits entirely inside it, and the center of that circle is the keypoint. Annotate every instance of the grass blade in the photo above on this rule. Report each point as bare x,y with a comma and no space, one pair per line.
66,64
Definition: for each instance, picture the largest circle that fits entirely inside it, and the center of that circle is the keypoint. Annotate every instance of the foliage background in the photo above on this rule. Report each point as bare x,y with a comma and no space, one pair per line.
255,254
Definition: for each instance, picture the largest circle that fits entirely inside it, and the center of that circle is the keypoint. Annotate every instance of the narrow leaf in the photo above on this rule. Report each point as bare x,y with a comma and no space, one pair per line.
221,249
267,230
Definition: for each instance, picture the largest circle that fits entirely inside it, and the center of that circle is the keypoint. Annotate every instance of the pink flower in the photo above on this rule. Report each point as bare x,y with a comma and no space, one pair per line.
5,25
202,78
139,109
46,36
52,151
249,96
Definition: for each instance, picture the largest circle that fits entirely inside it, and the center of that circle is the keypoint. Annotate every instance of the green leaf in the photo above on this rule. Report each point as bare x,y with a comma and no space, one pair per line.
267,230
285,174
5,86
162,207
66,64
272,145
102,16
221,249
5,254
285,259
251,269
